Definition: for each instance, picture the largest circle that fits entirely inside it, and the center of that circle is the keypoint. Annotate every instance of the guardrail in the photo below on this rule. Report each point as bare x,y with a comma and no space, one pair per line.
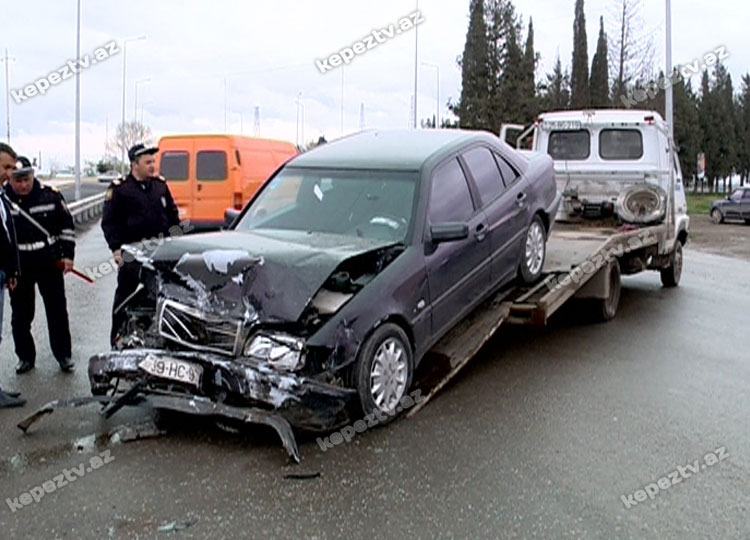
86,209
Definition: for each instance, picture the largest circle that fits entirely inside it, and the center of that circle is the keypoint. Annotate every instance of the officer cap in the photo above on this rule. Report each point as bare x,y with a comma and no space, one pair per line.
138,150
23,167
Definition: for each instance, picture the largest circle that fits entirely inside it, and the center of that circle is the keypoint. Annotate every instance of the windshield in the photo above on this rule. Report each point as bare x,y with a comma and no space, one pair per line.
375,205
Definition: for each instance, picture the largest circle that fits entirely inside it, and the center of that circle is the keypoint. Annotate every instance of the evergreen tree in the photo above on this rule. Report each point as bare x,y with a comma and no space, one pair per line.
530,106
743,130
579,78
555,91
473,106
600,71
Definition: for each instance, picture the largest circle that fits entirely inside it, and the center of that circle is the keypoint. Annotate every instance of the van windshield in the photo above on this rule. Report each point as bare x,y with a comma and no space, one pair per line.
373,205
569,145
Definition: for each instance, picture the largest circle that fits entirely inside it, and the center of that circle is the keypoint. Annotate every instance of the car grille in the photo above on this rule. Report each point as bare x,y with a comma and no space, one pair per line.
198,330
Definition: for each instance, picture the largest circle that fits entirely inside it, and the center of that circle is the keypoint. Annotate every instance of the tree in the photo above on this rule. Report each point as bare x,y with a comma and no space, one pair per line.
687,129
530,107
127,135
631,49
742,115
579,78
473,106
555,91
716,116
599,83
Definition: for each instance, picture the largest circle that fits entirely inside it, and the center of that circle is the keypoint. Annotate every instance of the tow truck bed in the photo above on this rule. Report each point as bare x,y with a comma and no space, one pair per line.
578,252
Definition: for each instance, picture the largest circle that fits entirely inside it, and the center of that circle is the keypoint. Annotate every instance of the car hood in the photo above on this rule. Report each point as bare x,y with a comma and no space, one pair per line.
258,276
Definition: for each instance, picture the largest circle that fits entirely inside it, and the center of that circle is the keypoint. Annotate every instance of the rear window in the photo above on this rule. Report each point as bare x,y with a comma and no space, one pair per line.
211,165
569,145
174,165
620,144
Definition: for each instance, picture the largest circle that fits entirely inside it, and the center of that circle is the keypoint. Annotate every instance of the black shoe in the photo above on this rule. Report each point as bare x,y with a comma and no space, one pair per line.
24,366
66,365
7,400
11,394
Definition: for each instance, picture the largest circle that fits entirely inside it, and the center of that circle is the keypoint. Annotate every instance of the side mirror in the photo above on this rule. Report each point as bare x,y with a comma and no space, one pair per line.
230,215
449,232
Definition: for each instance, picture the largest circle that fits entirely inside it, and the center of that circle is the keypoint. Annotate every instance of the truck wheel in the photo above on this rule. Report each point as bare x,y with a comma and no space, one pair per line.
383,372
534,251
605,309
716,216
670,276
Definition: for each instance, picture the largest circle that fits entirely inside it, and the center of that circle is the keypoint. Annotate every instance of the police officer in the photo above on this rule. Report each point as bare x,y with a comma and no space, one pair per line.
8,255
138,208
46,246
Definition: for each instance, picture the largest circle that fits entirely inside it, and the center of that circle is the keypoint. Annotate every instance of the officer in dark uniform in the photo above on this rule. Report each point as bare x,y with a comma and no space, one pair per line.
46,246
138,208
8,255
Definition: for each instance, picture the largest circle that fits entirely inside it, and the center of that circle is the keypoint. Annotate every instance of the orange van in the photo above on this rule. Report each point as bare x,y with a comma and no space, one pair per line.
209,173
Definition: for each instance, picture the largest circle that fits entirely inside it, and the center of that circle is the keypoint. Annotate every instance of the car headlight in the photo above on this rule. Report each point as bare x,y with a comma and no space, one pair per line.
280,351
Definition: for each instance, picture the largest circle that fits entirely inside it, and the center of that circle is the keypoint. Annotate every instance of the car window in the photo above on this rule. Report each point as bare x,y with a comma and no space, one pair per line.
746,196
508,173
211,165
736,196
625,144
174,165
486,175
569,145
450,199
367,204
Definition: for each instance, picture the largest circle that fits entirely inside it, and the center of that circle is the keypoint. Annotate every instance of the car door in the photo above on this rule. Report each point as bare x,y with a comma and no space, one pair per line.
732,208
502,208
746,204
458,272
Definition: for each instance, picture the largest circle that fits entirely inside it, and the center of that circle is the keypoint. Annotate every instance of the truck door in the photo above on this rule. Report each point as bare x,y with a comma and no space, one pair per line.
174,166
213,188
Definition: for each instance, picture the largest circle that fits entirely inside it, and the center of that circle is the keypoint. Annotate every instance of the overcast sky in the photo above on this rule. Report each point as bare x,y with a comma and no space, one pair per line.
266,52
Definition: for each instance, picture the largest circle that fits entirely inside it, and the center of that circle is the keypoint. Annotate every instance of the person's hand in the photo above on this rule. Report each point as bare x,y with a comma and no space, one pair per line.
118,257
12,283
67,265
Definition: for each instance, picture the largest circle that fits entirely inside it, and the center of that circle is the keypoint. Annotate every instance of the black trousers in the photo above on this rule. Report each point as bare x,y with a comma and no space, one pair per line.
49,279
127,283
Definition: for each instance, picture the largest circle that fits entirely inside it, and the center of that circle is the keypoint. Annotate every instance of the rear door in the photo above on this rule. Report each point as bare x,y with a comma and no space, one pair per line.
732,209
175,165
458,272
214,162
746,204
504,211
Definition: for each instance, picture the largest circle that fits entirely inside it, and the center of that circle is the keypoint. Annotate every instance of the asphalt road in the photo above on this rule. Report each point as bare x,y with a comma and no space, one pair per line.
540,436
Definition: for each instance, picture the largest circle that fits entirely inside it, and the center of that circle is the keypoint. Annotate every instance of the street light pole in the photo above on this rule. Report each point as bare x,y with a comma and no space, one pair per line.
416,63
7,60
78,104
122,125
296,134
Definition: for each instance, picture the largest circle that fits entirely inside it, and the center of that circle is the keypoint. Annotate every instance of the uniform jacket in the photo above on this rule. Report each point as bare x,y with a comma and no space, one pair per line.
47,206
8,251
134,211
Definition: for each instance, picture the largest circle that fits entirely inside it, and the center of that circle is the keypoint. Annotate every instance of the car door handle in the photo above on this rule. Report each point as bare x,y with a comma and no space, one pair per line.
521,199
480,232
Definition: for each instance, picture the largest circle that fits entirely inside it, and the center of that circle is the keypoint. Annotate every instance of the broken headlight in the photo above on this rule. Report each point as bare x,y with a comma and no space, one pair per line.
280,351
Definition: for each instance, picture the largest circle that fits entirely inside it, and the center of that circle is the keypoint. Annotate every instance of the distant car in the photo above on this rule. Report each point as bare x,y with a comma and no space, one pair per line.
735,207
109,176
335,280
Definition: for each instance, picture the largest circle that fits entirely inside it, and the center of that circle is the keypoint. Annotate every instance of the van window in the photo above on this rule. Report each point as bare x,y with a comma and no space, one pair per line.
620,144
211,165
174,165
569,145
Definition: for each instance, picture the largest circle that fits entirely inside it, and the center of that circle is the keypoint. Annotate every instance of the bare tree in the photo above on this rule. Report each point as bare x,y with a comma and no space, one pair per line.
127,135
631,46
54,166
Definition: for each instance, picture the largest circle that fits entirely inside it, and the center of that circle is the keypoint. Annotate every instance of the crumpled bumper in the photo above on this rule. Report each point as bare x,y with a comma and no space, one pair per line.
304,402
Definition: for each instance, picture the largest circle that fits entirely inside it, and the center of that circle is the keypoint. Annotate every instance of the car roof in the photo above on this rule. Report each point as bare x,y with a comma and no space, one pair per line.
404,150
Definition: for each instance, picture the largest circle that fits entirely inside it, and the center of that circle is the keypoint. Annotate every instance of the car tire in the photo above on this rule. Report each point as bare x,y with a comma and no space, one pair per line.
716,216
605,309
670,276
747,222
383,372
533,252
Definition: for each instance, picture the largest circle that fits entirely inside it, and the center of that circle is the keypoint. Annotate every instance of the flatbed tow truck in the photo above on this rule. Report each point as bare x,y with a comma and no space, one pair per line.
590,246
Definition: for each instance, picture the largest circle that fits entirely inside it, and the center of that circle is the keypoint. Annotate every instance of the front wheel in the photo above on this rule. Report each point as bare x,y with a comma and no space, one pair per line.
383,371
716,216
534,252
670,276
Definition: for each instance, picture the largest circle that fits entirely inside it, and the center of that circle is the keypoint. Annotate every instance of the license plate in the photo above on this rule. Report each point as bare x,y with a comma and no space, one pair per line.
172,369
562,125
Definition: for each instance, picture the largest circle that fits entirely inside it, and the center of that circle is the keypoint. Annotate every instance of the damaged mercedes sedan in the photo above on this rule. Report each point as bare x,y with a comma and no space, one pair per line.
339,275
